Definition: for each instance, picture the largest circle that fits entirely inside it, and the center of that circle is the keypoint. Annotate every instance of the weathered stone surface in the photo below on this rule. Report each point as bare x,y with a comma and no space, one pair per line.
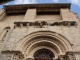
18,36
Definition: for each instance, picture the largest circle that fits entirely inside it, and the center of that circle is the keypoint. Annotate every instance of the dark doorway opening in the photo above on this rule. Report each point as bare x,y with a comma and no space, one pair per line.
44,54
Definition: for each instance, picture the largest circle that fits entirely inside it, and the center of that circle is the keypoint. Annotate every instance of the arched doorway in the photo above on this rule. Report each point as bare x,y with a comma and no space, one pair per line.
52,41
44,54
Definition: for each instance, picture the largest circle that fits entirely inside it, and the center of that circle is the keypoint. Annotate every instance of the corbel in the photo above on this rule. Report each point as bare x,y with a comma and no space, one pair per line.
21,24
68,24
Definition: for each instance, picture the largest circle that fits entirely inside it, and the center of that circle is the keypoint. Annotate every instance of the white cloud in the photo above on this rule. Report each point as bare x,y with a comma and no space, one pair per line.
6,4
55,1
25,1
31,1
76,2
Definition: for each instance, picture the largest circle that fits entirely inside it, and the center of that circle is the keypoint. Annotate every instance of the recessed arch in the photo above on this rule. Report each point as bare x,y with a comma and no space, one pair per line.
30,39
46,43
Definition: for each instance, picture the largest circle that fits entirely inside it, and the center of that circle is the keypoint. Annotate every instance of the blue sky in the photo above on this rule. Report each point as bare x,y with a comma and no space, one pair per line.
75,4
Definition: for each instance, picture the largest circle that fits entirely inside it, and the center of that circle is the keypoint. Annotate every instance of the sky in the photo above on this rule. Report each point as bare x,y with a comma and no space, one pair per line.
75,4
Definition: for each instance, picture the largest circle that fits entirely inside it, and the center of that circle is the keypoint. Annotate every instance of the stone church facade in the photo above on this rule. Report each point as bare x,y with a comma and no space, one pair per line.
39,32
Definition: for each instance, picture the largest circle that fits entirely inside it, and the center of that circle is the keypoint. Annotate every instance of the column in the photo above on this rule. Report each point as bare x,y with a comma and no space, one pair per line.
77,55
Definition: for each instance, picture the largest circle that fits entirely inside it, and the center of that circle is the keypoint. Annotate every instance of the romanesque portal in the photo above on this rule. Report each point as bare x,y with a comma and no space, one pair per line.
39,32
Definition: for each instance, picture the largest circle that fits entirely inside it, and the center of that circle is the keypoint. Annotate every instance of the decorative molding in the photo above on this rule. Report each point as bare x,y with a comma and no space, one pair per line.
40,7
44,40
44,23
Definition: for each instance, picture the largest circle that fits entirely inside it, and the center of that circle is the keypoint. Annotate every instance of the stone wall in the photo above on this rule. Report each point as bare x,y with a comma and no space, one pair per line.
71,33
14,35
65,13
10,19
5,56
48,18
30,15
1,12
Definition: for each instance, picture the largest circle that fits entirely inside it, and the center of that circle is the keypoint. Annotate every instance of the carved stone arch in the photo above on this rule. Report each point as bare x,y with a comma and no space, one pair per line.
55,48
43,42
64,43
43,33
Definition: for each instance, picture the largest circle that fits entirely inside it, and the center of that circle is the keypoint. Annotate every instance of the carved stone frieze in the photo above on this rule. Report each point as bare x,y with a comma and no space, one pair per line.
41,24
11,55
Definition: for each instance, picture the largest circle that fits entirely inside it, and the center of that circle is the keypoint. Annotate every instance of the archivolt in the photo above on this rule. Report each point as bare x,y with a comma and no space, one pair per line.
44,40
59,38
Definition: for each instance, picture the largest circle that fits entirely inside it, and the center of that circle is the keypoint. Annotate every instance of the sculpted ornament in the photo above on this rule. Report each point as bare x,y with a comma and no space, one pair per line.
44,39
